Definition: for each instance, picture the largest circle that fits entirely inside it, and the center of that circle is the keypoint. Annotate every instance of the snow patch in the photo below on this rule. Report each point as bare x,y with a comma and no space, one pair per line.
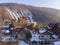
35,37
42,30
55,36
56,43
49,27
22,43
5,26
7,31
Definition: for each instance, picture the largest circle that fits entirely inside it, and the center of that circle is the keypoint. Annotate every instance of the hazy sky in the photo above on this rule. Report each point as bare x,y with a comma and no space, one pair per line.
38,3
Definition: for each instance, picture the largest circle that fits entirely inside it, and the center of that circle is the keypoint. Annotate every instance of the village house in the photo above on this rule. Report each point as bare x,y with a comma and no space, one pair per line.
21,35
54,29
44,34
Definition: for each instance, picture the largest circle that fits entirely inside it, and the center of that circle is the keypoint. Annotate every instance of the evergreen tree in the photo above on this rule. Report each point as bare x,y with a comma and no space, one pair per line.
28,35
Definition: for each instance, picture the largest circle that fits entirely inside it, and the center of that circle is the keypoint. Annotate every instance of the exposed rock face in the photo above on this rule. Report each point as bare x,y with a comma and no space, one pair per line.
39,14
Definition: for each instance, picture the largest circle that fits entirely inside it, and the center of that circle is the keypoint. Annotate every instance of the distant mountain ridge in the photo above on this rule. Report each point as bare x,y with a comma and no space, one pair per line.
40,14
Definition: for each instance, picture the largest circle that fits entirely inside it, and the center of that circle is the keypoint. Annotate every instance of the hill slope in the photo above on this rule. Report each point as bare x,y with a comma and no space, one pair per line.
39,14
